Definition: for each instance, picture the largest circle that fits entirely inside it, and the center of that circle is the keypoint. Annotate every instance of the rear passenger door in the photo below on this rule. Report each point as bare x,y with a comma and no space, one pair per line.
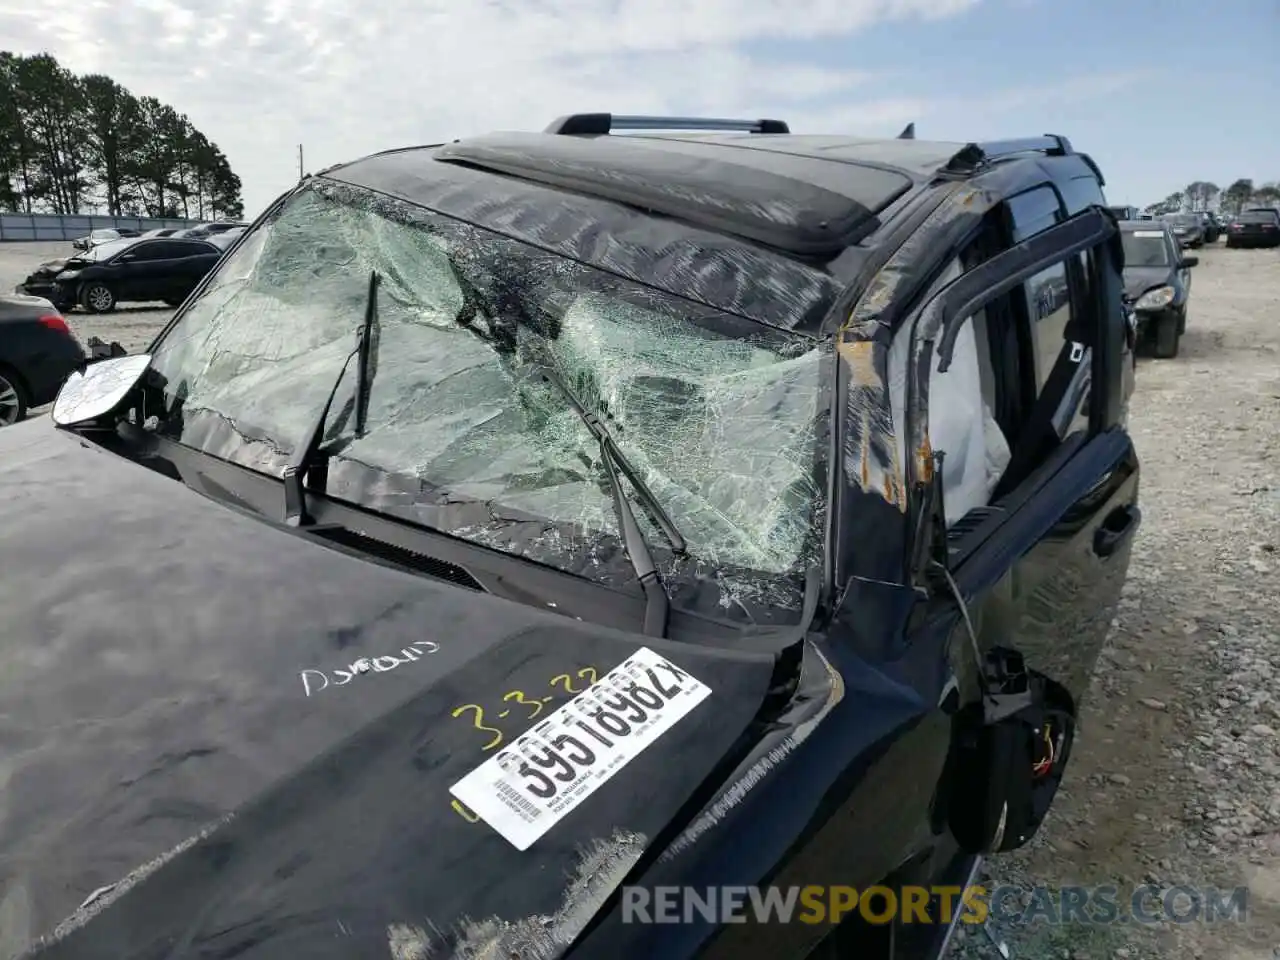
1042,562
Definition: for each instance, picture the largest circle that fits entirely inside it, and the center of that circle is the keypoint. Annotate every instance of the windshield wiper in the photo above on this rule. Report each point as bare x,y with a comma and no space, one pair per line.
657,602
306,457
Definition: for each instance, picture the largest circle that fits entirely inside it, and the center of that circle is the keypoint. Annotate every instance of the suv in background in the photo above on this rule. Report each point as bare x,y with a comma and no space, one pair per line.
663,510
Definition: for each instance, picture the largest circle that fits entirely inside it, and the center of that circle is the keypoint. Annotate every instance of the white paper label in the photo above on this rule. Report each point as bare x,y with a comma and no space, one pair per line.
529,786
1147,233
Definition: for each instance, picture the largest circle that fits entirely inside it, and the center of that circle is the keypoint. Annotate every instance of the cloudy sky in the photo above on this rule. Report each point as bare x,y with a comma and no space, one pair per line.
1161,93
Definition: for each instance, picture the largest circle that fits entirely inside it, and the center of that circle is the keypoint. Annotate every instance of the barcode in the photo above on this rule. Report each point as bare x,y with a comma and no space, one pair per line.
518,802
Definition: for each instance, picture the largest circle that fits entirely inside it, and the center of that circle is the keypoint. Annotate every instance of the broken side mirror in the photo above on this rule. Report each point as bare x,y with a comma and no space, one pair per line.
1009,750
99,389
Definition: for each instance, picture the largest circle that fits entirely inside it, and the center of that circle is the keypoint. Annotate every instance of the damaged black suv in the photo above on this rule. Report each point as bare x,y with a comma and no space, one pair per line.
513,535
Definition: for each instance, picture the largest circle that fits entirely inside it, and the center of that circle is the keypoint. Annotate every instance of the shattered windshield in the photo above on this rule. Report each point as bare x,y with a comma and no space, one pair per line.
717,413
1145,248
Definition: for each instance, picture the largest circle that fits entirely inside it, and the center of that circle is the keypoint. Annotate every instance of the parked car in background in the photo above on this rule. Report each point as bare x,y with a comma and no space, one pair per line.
226,238
1255,228
1212,228
38,352
95,237
141,270
161,232
1187,228
206,230
1157,282
371,637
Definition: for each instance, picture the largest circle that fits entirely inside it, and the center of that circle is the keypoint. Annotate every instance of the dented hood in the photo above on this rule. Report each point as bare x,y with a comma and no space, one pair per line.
1138,280
221,738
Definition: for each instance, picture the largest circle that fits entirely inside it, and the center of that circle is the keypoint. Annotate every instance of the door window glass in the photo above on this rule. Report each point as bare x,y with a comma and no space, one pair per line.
150,251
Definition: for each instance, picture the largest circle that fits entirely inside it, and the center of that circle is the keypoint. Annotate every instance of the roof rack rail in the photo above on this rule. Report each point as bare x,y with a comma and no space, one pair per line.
579,124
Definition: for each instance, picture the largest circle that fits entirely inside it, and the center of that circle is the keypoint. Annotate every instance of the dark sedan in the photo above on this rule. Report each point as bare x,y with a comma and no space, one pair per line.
1254,228
38,352
140,270
1187,229
1157,282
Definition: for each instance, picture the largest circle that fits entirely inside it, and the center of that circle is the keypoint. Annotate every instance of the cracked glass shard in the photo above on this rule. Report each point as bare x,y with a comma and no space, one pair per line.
717,413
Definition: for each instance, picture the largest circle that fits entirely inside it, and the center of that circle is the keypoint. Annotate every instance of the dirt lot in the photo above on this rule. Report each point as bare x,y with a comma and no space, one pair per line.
1176,778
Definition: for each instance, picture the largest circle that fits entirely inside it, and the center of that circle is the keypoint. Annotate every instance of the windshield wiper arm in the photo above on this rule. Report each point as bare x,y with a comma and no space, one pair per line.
657,602
305,456
364,374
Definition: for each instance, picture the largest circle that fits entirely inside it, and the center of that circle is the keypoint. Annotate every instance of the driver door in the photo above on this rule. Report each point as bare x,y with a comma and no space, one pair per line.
1039,566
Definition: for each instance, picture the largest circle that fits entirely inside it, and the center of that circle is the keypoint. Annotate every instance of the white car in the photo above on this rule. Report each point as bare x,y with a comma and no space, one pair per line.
95,237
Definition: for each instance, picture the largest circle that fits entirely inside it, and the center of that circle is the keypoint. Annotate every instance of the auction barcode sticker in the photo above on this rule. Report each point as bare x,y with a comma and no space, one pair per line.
530,786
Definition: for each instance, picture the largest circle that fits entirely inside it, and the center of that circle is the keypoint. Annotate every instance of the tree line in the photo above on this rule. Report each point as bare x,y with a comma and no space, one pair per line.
70,144
1204,195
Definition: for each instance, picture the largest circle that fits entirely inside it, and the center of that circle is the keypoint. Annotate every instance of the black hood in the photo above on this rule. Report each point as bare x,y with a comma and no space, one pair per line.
1138,280
221,738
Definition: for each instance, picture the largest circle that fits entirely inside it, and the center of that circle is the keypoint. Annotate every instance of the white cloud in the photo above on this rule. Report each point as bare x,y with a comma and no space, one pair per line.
346,77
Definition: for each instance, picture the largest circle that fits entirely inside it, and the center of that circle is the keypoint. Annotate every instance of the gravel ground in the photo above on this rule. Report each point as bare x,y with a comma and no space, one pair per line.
1176,776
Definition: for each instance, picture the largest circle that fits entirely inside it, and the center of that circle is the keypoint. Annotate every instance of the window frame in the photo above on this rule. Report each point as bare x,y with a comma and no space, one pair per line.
933,325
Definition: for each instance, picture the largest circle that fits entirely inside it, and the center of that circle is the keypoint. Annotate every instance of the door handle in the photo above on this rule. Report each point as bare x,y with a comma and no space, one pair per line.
1119,526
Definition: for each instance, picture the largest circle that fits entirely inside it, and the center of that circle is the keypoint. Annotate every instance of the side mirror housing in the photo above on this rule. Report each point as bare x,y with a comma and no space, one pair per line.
1188,262
99,388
